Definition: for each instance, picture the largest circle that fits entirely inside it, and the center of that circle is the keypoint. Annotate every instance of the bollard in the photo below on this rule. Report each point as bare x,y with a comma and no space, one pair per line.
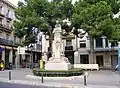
9,75
42,78
85,80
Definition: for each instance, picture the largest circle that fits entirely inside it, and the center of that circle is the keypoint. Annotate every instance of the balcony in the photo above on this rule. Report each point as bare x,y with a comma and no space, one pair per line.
68,48
35,48
5,28
101,49
106,49
7,42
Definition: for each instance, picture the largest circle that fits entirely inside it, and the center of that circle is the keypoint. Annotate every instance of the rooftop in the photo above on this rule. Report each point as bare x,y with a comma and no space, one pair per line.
9,4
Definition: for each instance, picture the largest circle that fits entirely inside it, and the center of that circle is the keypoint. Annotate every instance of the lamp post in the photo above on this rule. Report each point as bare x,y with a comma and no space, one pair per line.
40,42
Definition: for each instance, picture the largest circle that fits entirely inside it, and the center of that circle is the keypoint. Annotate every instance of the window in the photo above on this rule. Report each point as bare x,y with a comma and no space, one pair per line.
1,34
114,43
0,8
68,43
7,36
83,44
0,21
106,42
15,38
8,13
8,24
99,42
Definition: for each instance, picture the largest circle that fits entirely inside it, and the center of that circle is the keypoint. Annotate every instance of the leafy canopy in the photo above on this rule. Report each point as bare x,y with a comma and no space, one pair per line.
96,17
41,14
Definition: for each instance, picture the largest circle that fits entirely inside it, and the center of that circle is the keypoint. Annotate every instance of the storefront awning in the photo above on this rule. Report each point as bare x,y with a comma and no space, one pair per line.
8,47
2,46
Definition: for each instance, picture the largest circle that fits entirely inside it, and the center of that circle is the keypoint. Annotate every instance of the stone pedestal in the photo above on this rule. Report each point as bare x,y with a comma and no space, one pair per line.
61,63
57,66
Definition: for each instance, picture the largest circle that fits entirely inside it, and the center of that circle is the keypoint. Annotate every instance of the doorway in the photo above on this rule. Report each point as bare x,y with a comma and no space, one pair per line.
7,58
99,60
84,59
70,56
114,61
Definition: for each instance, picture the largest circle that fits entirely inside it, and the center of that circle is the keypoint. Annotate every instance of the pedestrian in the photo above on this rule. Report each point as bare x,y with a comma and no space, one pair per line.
1,65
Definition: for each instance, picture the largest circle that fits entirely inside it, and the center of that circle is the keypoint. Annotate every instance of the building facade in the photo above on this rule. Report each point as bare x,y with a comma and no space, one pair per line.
30,55
8,41
104,54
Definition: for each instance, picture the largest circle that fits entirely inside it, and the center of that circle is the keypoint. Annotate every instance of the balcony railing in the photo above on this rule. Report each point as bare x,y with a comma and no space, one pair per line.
68,48
7,42
5,28
36,48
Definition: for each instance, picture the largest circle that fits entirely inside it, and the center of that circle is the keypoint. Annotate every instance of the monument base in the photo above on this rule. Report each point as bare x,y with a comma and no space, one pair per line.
58,64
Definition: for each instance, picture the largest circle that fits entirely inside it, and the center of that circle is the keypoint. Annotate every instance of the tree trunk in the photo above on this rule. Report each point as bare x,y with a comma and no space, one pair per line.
50,43
50,46
92,51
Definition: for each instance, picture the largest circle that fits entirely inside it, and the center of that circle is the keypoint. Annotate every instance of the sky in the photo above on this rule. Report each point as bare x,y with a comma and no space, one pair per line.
16,1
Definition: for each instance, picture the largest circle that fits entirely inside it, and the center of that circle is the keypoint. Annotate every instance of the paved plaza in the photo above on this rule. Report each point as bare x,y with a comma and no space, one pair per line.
8,85
96,79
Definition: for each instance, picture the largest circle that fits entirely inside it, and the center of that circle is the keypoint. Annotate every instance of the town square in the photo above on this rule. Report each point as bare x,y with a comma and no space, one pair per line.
59,43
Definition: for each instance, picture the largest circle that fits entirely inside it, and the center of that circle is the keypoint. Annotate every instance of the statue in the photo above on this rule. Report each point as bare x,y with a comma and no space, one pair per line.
57,24
57,61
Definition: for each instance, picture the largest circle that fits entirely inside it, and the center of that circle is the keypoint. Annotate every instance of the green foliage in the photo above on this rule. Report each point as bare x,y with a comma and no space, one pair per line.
95,17
41,14
115,36
58,73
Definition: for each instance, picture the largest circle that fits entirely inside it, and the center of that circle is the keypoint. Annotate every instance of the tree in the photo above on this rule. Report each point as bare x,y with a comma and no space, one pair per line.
27,17
41,14
96,18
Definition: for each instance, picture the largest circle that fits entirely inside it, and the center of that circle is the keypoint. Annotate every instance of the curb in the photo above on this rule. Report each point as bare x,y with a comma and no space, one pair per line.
54,78
57,78
50,84
47,84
